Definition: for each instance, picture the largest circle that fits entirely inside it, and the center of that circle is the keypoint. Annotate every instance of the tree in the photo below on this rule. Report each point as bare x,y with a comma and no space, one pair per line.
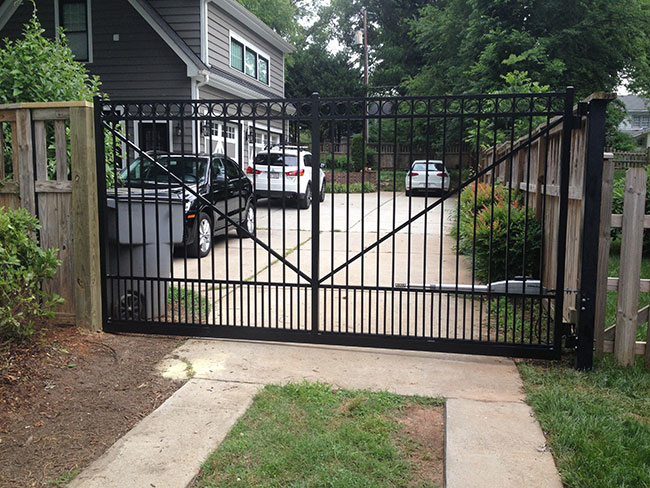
314,69
392,56
280,15
468,45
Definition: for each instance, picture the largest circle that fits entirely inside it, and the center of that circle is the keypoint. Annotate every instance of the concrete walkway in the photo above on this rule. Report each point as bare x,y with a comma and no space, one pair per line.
492,438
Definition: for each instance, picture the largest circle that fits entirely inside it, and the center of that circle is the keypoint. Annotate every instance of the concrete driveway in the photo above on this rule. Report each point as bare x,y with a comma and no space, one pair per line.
422,252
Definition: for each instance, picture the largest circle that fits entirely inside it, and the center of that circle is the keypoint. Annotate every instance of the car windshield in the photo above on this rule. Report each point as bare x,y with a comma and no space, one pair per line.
431,167
275,159
185,169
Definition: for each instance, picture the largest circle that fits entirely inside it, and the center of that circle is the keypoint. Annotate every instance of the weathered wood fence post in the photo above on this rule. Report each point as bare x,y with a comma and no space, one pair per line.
85,218
630,265
604,239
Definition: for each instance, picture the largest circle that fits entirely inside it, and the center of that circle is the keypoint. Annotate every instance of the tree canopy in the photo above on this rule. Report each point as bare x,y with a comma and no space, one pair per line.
424,47
468,45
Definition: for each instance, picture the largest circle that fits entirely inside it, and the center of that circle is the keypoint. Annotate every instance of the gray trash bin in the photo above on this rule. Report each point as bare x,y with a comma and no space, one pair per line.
141,235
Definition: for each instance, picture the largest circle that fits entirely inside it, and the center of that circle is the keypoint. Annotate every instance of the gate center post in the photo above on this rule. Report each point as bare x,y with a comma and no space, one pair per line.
315,212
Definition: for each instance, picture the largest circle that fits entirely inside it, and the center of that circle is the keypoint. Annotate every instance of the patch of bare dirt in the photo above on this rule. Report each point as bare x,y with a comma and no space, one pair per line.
422,438
68,395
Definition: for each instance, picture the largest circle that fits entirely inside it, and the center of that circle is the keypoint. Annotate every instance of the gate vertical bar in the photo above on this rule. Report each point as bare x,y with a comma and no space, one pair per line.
565,162
590,232
315,211
101,204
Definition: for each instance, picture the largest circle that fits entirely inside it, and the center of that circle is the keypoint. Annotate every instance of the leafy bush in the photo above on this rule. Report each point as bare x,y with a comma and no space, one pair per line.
23,267
336,162
618,197
505,232
38,69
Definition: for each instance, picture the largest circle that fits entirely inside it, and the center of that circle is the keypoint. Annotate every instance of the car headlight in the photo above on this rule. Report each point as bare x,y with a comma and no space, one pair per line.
188,204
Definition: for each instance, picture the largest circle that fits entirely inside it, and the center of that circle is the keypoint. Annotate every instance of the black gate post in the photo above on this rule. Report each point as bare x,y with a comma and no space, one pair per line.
565,164
593,176
315,212
100,155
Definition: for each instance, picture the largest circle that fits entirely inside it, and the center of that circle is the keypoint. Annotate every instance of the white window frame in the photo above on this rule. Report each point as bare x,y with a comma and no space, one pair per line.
259,54
89,27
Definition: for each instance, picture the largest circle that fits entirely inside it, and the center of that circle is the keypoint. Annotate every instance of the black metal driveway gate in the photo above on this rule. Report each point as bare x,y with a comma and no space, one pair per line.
371,262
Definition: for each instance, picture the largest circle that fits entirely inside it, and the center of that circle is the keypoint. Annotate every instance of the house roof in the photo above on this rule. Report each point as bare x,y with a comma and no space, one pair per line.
238,11
634,103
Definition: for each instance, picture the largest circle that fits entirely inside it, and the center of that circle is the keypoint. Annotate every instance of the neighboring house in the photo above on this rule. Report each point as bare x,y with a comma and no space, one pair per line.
637,122
170,50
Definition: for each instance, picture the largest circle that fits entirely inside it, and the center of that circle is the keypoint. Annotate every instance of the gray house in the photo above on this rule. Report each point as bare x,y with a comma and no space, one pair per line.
637,122
170,50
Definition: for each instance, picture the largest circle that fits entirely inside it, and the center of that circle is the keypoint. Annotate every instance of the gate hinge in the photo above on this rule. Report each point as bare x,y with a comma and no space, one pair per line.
569,334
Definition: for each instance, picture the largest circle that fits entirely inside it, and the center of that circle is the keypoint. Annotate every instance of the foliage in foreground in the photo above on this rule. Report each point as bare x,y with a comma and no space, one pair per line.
597,423
311,435
499,232
37,69
23,267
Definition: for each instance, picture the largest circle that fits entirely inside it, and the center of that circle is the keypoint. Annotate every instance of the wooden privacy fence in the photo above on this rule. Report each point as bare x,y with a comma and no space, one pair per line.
620,338
631,159
47,165
535,171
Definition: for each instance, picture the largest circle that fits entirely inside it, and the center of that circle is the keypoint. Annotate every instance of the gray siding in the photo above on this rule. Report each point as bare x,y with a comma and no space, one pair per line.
219,25
184,16
139,65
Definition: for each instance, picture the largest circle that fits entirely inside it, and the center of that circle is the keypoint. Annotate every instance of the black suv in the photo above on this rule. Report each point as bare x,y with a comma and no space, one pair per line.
217,178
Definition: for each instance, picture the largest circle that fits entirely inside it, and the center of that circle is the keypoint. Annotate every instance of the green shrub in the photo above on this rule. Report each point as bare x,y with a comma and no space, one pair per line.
37,69
506,242
335,162
23,267
357,152
367,187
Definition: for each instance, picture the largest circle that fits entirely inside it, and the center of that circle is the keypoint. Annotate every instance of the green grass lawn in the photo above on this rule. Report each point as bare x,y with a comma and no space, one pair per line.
597,423
309,435
612,296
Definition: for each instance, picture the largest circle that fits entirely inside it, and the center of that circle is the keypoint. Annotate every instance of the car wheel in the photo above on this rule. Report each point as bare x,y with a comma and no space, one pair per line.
247,225
305,200
322,192
203,239
409,193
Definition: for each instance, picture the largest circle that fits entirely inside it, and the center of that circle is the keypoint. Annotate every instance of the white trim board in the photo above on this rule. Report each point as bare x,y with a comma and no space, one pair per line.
7,10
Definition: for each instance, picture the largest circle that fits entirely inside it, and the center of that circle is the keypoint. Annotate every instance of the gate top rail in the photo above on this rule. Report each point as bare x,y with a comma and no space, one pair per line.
443,106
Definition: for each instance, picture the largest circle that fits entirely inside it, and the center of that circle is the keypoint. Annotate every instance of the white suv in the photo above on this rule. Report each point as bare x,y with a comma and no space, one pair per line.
285,172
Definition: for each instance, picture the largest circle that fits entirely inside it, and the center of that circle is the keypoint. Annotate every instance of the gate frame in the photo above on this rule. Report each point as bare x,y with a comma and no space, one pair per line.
314,335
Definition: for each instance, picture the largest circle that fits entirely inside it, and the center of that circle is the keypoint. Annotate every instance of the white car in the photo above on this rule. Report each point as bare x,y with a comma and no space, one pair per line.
285,172
426,176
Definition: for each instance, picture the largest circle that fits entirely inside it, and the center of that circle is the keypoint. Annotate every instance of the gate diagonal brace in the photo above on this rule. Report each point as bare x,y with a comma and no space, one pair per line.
187,188
457,190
